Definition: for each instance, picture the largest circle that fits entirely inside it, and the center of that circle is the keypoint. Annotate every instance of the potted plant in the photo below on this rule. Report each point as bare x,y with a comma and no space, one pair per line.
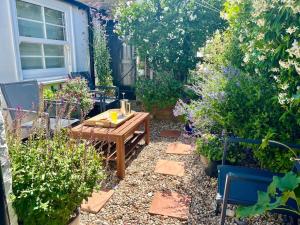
210,147
73,98
159,95
51,177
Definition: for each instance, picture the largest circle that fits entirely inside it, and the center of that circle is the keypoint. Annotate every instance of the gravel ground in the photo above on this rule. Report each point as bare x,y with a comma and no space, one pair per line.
133,195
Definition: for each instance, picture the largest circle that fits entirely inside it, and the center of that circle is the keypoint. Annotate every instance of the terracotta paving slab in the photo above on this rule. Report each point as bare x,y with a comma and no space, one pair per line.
96,201
170,168
170,204
170,133
179,148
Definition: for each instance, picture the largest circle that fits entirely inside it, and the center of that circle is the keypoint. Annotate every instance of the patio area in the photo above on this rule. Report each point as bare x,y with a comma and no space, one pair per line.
133,196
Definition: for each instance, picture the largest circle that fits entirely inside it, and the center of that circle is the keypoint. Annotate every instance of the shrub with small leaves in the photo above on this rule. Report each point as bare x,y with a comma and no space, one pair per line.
52,177
161,91
211,146
76,91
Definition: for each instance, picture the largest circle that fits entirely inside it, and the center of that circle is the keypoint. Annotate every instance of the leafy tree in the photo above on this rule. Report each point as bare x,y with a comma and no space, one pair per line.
167,33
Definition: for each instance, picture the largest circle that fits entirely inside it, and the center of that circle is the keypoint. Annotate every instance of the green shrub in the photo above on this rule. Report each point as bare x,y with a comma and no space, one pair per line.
76,91
251,111
162,91
167,34
52,177
212,147
49,94
257,58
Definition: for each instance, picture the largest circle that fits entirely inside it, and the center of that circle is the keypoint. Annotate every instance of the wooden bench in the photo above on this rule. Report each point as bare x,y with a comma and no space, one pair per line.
125,137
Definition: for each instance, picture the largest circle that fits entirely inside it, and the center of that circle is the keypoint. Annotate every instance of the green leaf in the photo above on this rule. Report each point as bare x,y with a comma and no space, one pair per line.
287,183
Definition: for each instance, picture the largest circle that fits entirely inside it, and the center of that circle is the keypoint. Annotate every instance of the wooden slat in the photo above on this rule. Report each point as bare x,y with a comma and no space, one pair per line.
125,132
129,146
78,130
128,123
131,124
85,132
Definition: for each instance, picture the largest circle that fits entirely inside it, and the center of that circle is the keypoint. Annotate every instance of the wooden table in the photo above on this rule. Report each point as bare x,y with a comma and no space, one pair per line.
126,137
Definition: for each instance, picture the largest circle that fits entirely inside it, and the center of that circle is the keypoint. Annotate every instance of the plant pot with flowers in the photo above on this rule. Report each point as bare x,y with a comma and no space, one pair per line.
73,100
159,94
51,177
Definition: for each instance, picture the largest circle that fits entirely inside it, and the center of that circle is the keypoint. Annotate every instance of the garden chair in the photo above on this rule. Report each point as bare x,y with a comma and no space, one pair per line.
239,185
24,98
105,97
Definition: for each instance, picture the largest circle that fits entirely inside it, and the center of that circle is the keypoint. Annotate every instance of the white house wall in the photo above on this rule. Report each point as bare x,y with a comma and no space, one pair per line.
8,64
81,36
10,67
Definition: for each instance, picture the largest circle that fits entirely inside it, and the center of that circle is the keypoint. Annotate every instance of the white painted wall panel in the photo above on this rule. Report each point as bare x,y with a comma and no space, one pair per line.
8,63
77,31
81,36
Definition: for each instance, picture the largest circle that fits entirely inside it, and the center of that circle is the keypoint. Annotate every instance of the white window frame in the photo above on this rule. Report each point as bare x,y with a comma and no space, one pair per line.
50,74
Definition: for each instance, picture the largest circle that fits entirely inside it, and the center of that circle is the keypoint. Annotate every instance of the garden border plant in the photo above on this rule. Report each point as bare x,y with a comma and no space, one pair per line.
257,57
160,92
51,177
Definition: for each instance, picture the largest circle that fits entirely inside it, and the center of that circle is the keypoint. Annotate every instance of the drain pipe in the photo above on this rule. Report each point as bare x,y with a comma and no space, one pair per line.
4,218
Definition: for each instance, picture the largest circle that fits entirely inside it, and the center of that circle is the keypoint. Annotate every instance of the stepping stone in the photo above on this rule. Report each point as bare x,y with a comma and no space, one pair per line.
170,168
170,133
179,148
170,204
96,201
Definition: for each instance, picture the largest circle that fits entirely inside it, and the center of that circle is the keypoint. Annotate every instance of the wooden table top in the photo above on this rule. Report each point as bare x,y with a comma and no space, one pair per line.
110,134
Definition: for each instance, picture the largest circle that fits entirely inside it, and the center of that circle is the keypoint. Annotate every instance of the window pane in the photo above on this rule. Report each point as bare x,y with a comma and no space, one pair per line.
30,49
31,63
54,16
29,11
54,62
55,33
30,29
54,50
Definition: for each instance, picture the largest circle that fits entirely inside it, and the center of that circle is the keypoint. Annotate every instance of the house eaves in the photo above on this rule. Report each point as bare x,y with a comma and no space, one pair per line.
79,4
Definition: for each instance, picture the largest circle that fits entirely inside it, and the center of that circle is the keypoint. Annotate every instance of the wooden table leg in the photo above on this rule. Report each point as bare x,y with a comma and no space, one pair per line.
120,158
147,130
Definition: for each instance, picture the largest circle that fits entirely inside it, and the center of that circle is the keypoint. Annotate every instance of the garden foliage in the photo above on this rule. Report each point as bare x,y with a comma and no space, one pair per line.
167,33
249,77
211,146
160,92
282,194
101,55
76,91
51,177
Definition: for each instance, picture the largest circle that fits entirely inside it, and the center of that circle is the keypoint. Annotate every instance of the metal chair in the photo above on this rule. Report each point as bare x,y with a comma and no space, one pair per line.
239,185
24,97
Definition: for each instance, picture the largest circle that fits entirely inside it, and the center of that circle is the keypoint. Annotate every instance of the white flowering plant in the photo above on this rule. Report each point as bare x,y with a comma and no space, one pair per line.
269,36
167,33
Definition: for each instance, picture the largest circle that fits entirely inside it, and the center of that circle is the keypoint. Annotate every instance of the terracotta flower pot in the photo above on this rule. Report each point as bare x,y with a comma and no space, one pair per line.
161,114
